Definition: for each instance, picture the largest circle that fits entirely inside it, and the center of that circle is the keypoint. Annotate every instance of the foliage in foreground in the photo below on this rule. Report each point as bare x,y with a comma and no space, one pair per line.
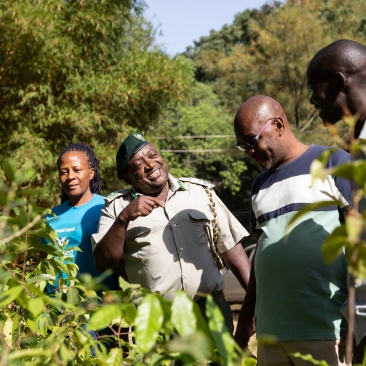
350,235
36,329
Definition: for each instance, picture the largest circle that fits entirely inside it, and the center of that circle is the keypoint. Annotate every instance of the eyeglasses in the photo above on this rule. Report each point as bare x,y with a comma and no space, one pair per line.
254,141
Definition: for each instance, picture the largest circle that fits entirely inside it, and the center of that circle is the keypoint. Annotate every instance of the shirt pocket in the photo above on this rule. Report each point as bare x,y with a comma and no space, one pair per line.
141,241
200,222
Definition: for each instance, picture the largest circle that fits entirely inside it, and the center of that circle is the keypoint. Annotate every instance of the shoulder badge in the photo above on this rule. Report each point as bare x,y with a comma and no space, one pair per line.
200,182
117,194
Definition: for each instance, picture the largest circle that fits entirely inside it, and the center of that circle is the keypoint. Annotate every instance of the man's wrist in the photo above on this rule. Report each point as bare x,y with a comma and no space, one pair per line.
122,220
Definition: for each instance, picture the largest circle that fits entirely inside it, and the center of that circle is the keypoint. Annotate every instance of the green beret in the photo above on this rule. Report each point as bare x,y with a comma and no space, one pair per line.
129,147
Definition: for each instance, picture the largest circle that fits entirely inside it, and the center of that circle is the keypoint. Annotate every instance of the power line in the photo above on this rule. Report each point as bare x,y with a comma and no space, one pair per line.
194,137
197,151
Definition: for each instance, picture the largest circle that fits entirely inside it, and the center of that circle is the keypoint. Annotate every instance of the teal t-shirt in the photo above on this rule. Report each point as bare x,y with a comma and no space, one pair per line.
76,225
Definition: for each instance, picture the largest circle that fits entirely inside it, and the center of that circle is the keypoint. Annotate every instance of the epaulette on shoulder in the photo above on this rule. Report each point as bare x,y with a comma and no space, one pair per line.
200,182
116,194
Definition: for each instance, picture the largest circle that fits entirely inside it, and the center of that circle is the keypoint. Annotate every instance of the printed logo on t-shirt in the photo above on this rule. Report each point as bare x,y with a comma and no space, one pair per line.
65,230
62,242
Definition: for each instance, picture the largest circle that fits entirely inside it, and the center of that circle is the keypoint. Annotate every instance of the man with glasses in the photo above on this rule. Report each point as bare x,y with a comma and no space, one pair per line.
296,296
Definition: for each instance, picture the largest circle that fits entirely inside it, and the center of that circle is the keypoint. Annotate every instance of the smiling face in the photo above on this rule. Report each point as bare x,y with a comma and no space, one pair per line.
147,171
327,96
75,176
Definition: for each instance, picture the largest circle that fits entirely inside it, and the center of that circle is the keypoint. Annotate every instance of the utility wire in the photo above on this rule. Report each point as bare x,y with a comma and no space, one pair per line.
197,151
194,137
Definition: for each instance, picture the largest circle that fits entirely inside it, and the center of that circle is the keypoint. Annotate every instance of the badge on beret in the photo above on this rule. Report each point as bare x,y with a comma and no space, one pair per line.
138,136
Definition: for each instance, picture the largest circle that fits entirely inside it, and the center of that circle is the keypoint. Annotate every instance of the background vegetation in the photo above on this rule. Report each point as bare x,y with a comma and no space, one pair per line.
91,71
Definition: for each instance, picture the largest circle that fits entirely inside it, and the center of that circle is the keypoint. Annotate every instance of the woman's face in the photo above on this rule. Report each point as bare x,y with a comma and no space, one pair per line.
75,176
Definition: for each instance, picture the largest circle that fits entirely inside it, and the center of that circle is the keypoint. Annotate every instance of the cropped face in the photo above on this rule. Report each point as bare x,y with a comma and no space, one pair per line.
326,96
75,176
147,171
266,152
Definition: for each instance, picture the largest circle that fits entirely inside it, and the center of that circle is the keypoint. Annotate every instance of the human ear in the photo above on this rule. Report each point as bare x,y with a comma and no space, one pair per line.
341,80
91,173
279,125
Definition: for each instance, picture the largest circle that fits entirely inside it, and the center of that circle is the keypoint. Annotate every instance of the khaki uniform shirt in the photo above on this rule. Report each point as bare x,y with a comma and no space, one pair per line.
168,250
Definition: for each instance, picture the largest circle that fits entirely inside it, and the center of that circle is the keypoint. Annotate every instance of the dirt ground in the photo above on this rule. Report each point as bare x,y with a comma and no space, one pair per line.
253,341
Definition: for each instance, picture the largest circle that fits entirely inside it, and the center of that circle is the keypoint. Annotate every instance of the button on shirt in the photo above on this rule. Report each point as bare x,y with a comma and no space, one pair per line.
168,250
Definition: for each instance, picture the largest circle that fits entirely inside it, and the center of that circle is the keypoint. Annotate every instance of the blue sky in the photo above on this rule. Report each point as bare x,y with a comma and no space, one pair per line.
183,21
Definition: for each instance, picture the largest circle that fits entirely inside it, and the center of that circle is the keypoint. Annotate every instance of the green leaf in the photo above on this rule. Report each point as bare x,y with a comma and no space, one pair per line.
73,296
317,167
126,285
148,322
42,324
334,243
8,332
65,353
310,359
198,345
114,357
58,303
183,316
49,235
104,317
352,170
59,266
31,352
354,226
32,325
202,323
167,327
41,277
10,295
47,248
223,340
129,313
15,322
358,269
35,305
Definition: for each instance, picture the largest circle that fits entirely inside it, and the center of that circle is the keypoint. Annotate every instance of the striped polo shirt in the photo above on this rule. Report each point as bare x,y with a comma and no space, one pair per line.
298,296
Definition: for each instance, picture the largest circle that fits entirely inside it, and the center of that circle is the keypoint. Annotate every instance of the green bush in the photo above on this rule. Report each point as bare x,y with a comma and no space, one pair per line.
36,329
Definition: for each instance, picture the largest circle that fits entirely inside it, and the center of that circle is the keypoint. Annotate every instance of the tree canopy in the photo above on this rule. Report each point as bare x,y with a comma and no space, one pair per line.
267,51
80,71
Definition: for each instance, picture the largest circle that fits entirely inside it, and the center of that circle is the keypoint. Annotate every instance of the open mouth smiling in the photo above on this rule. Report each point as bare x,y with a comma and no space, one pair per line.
154,174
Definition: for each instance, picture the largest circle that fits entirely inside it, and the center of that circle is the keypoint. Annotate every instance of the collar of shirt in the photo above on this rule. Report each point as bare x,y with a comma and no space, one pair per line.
174,185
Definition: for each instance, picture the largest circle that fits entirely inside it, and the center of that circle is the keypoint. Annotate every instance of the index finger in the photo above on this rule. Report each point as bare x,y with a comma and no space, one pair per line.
152,201
158,202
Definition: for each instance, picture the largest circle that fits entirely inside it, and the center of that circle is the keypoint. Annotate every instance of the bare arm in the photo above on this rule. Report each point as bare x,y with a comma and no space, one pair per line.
237,260
246,315
109,250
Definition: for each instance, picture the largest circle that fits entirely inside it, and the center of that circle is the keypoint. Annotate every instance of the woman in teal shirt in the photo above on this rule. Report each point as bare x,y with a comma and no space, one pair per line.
78,215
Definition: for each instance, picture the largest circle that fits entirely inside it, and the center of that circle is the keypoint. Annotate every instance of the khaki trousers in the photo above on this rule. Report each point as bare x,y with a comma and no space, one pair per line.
281,353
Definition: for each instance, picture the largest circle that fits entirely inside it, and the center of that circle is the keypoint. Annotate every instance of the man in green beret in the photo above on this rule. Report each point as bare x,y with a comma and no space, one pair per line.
167,229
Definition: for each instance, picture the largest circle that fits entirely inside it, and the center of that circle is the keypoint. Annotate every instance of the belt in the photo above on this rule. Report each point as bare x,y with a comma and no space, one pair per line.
214,294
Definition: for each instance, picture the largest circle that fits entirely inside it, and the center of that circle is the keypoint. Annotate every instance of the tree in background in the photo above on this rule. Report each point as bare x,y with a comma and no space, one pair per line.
197,140
267,52
79,71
